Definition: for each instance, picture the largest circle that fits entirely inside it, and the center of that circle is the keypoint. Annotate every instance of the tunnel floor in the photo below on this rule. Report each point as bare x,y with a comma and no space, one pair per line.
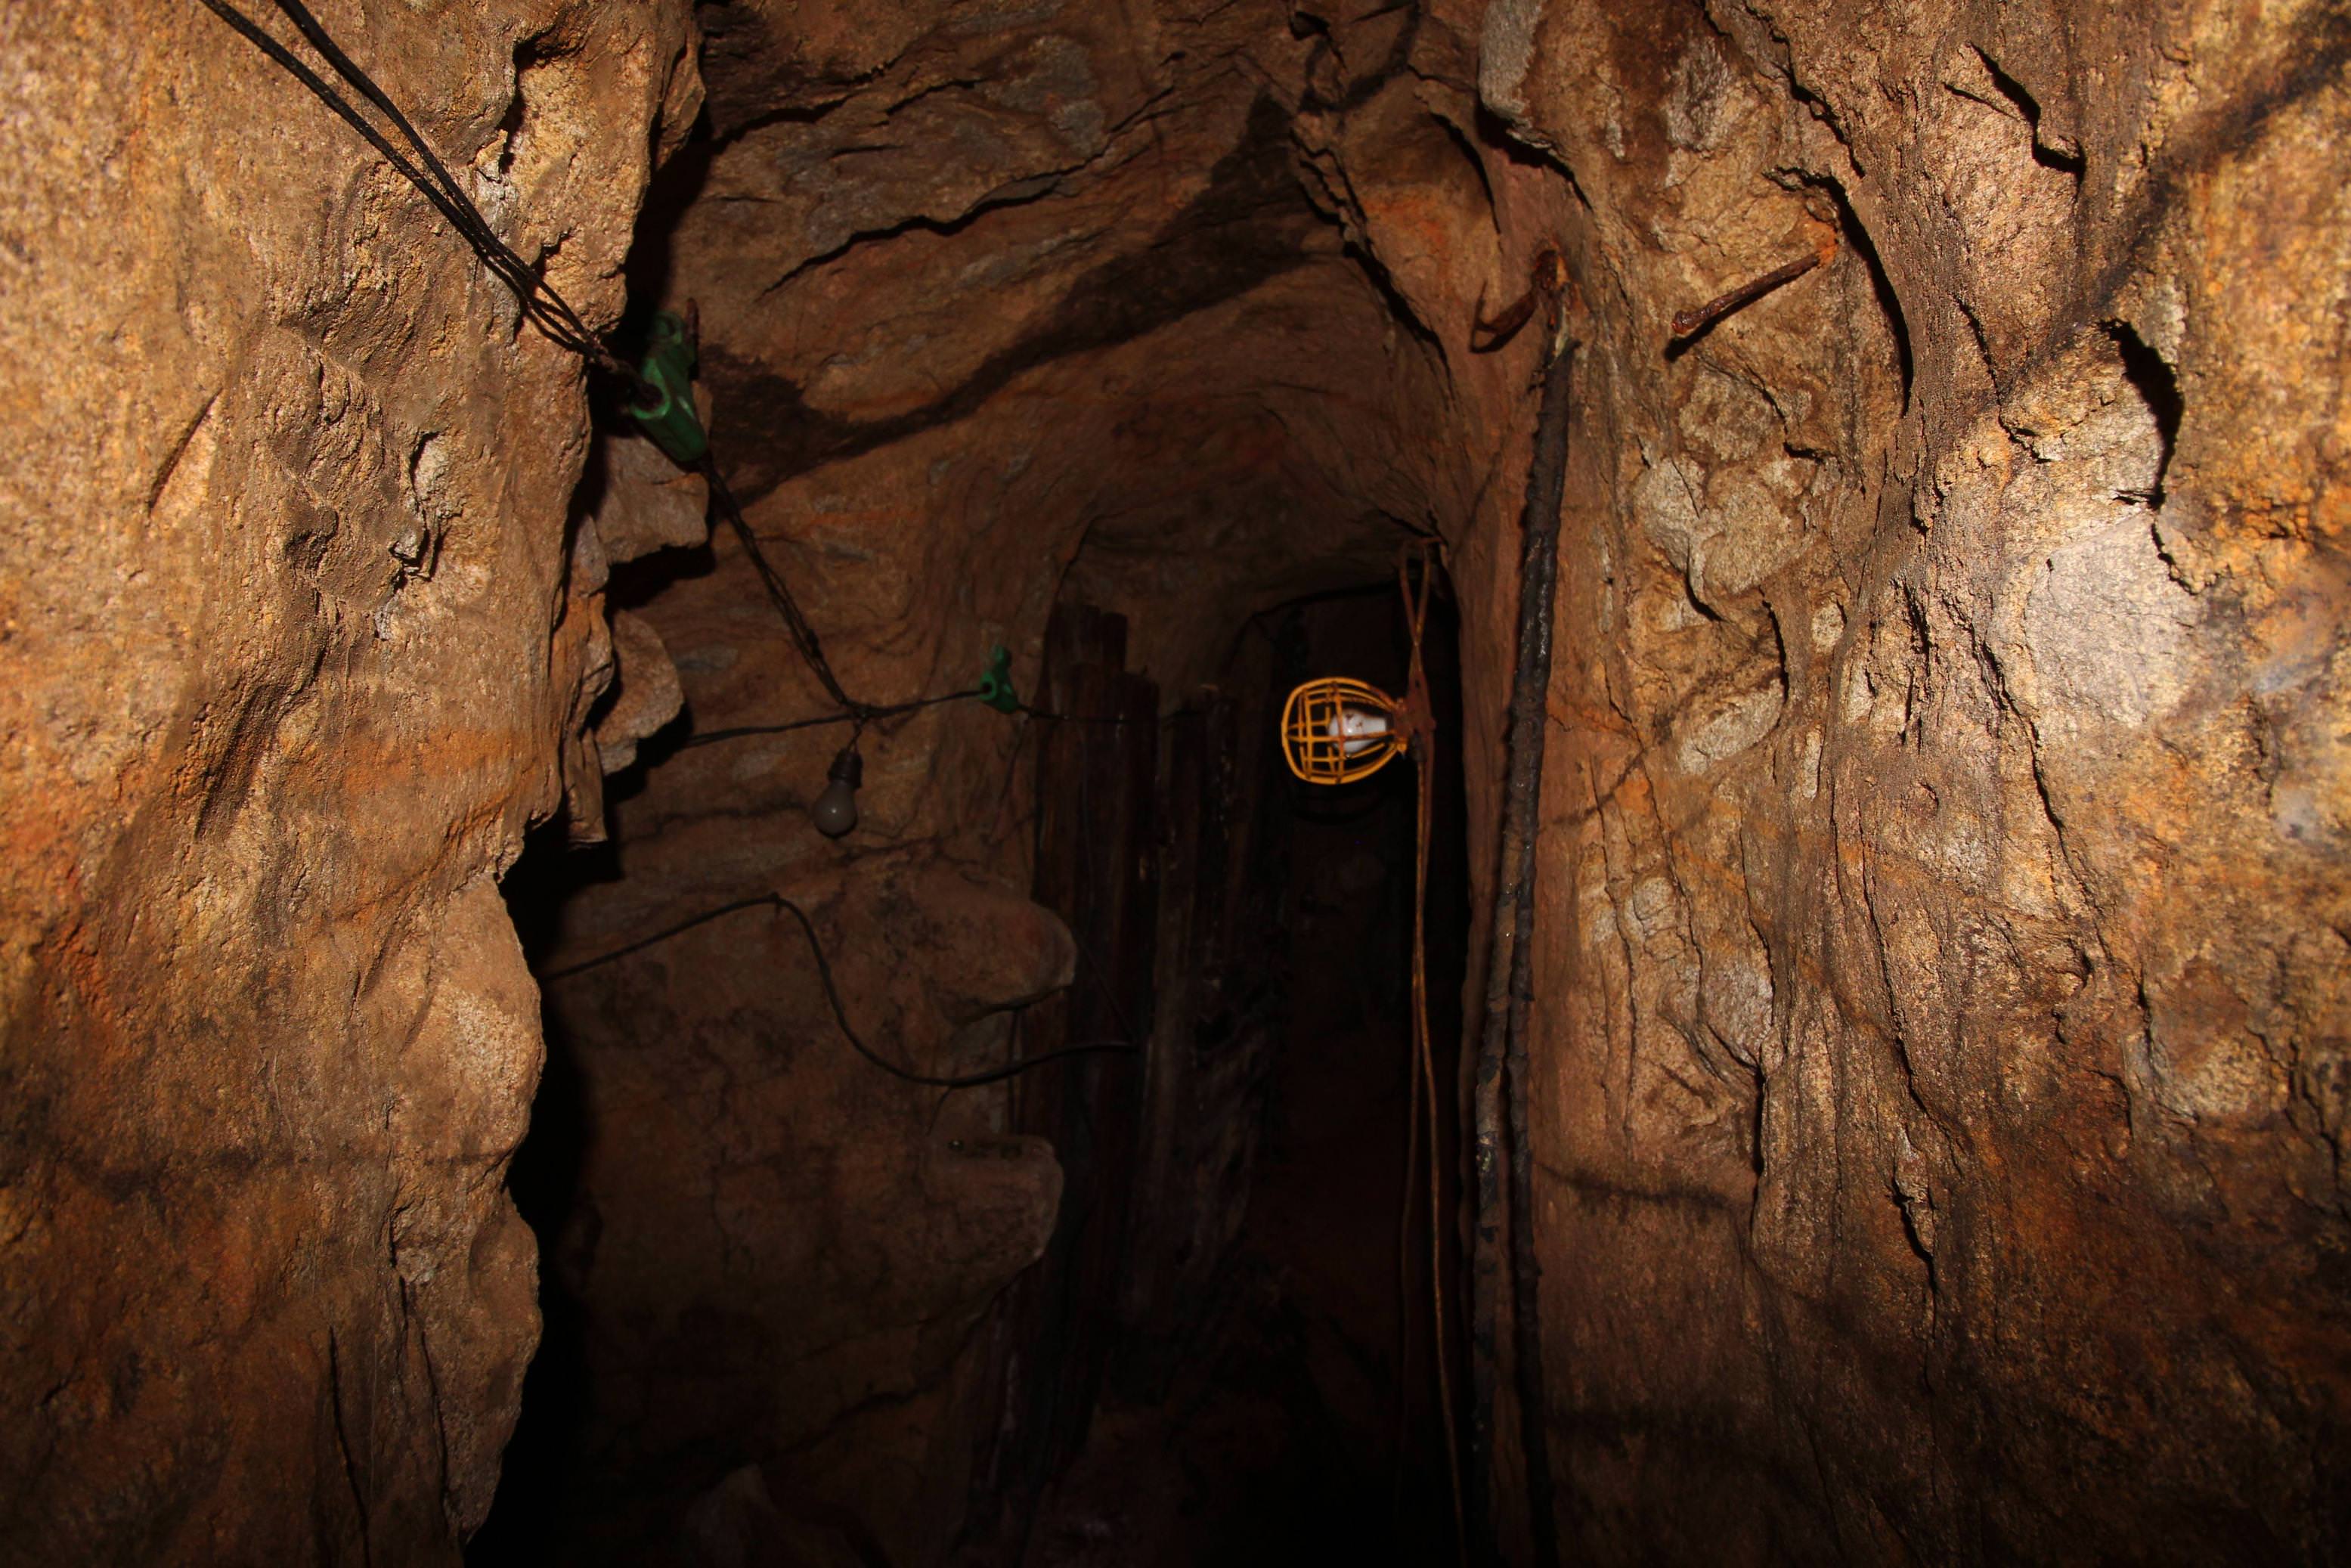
1275,1443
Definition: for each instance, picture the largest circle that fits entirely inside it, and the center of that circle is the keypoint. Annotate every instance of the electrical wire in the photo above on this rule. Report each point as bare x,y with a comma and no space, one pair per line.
833,999
546,307
861,715
658,938
540,302
779,594
1417,700
739,732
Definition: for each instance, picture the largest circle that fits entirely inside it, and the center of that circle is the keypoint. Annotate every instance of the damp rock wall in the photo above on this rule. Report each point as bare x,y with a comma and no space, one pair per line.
1939,1089
298,634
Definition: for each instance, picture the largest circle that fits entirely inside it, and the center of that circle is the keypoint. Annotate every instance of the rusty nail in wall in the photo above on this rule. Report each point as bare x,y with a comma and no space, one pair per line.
1547,282
1689,323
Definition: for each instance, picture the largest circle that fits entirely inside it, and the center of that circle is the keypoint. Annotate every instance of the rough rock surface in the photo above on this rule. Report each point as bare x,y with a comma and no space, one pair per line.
1944,872
293,648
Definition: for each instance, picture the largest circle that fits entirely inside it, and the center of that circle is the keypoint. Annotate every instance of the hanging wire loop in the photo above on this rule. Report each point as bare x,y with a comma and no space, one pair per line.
832,997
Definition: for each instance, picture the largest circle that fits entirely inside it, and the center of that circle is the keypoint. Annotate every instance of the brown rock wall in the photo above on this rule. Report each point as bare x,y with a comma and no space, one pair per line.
1943,893
291,658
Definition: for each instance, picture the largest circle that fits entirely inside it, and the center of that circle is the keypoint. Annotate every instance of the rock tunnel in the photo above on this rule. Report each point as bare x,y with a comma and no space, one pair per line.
464,1100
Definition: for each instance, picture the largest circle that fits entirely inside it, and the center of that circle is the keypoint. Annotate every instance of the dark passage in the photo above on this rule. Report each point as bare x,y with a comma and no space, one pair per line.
547,1460
1271,1397
1224,1356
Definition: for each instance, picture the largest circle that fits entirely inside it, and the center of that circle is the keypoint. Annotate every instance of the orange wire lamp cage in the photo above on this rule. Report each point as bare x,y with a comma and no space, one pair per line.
1335,730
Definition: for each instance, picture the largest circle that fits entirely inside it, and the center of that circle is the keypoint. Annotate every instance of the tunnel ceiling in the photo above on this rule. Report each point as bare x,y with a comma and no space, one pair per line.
1068,268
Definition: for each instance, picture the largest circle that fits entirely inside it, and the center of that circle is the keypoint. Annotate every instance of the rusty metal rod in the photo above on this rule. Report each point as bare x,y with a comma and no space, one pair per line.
1689,323
1526,1272
1512,923
1547,282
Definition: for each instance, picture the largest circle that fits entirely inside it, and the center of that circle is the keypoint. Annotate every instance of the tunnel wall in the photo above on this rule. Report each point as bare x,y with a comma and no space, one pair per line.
1940,1081
298,636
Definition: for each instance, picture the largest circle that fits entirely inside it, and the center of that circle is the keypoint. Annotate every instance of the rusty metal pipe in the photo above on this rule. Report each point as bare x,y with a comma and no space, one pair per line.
1509,977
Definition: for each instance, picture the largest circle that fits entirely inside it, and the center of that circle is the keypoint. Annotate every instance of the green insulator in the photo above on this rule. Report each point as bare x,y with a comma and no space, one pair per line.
664,403
995,681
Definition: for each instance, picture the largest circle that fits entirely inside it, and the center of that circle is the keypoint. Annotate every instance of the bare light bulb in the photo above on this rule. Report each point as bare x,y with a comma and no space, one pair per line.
835,810
1357,729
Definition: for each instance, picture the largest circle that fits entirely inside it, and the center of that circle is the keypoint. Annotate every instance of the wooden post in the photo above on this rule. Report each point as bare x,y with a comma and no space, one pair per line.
1096,866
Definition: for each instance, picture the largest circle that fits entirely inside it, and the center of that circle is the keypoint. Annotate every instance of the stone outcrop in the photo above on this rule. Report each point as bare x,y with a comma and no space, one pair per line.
294,647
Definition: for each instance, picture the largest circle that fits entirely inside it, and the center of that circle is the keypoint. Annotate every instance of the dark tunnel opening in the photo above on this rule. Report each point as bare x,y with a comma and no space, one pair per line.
543,1456
1249,1377
1290,1413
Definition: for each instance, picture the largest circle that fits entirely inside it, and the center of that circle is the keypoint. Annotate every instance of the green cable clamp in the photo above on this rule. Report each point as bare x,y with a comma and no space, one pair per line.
664,402
996,681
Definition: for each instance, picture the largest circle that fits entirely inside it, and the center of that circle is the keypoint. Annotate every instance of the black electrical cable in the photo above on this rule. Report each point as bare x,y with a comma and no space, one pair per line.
745,731
780,593
891,711
1093,718
866,715
480,230
833,999
547,308
664,935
